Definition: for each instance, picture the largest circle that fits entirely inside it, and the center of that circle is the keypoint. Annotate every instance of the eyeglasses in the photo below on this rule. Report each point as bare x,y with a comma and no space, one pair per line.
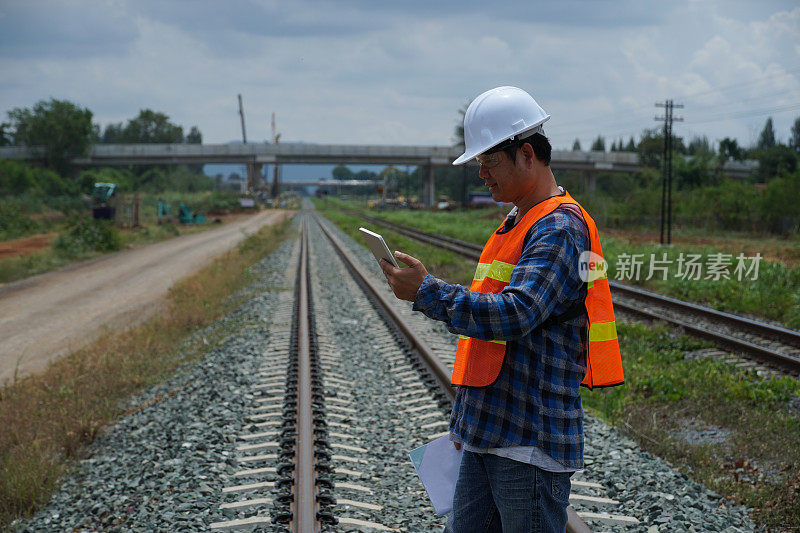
488,160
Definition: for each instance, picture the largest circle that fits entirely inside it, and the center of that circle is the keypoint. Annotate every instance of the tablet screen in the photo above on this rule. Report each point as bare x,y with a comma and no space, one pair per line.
378,246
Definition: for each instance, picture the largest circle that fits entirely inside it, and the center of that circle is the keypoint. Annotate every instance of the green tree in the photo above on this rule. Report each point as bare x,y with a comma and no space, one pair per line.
794,140
767,138
776,161
729,149
651,148
693,171
5,134
112,134
365,175
780,204
341,172
631,147
458,133
576,146
61,126
97,134
699,145
194,137
599,144
151,127
18,178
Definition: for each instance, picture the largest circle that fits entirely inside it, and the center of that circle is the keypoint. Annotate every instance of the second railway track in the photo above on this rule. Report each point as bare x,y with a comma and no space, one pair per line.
774,346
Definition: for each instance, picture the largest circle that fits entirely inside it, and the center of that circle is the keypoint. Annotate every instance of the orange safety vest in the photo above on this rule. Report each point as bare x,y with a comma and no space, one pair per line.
478,362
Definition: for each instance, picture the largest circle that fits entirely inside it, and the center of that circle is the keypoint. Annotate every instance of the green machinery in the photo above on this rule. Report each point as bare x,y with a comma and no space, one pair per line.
163,212
101,196
185,215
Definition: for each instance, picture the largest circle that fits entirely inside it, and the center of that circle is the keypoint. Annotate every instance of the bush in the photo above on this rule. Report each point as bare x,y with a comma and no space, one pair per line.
780,204
18,178
14,221
125,179
85,234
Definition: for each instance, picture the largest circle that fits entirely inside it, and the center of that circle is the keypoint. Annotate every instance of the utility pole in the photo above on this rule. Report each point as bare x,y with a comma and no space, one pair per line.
275,138
666,182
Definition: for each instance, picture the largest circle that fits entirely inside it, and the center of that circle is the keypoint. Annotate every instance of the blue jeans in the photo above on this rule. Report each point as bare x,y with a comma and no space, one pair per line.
498,494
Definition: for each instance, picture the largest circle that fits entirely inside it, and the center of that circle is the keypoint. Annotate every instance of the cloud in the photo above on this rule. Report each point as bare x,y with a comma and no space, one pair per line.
353,71
65,30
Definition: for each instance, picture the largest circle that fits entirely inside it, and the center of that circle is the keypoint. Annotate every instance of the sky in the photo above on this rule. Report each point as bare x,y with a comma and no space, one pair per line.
366,72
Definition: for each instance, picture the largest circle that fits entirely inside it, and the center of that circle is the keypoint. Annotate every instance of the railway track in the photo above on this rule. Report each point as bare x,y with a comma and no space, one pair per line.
222,444
773,346
303,443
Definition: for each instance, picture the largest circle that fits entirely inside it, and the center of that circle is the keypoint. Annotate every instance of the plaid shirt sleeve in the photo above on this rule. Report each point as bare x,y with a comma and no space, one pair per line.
545,277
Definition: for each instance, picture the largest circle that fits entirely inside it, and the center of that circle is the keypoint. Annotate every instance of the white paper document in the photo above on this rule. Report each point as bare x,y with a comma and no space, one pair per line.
437,465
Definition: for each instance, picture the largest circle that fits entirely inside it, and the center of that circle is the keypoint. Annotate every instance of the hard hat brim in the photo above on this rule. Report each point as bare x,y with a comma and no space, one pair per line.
467,155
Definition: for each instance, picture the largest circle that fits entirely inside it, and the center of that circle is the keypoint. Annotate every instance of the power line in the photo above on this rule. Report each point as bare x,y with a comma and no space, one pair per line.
730,87
604,115
741,84
741,101
729,116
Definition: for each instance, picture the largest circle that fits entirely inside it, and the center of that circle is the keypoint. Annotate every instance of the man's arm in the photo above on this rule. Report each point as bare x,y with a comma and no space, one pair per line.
546,275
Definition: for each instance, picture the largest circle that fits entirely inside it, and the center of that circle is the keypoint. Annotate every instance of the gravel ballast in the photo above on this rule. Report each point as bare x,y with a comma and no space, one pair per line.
648,489
163,467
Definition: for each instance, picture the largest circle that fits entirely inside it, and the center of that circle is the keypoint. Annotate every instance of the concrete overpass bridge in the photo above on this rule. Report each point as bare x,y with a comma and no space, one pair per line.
254,156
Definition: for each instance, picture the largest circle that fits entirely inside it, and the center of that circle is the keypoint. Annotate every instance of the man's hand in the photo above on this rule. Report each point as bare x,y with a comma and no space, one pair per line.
405,282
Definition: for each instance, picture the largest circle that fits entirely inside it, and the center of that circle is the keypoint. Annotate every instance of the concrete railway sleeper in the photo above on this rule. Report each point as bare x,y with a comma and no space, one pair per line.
225,453
434,372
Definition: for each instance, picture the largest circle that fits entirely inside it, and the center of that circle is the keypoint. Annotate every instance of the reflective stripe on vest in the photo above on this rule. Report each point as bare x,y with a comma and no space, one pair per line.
478,362
497,270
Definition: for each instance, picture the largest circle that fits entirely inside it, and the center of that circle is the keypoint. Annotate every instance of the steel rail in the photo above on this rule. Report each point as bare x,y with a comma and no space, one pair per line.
785,335
434,365
304,506
764,354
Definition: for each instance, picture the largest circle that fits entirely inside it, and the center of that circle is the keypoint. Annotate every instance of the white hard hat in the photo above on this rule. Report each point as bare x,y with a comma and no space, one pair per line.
498,115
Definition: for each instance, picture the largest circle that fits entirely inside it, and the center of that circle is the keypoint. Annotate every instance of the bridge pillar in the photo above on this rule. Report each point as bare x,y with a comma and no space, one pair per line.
255,176
250,176
428,190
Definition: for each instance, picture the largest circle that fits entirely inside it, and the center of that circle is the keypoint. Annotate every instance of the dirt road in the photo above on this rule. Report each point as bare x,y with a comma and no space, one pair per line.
47,316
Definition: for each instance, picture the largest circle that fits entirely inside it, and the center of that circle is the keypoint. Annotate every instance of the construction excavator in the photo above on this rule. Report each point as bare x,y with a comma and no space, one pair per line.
101,201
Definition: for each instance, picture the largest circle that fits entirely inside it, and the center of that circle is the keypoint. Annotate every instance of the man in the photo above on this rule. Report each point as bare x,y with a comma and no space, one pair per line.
523,326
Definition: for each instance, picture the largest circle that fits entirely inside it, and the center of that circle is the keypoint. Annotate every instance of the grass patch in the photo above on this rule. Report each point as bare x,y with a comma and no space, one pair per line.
43,260
757,463
83,239
47,419
445,265
774,295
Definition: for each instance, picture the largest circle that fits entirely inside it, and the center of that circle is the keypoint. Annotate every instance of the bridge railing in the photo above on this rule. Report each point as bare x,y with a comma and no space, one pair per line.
264,153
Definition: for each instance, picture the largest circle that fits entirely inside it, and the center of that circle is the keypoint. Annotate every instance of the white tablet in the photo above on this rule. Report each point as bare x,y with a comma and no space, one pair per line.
378,246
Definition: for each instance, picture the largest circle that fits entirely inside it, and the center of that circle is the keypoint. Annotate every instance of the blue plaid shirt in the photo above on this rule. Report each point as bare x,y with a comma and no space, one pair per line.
535,400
